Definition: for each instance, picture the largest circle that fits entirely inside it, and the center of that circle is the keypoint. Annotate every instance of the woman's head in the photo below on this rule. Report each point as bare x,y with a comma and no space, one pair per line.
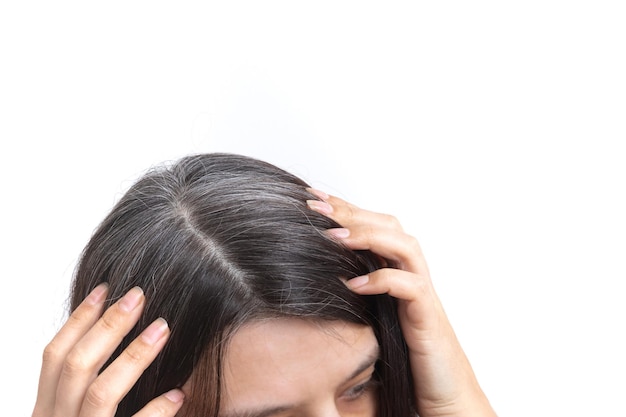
220,241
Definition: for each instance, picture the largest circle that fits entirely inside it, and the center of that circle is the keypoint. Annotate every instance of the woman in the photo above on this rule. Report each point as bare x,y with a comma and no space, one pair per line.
281,300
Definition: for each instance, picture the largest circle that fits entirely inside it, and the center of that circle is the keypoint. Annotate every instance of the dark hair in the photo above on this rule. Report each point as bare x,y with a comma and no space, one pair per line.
216,240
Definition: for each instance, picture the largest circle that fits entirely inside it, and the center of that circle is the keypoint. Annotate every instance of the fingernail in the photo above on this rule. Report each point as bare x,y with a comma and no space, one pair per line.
175,395
320,206
358,281
132,299
318,193
97,294
340,233
155,331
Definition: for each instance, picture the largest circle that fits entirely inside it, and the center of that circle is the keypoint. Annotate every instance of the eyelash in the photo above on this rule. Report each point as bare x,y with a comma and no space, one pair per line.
356,392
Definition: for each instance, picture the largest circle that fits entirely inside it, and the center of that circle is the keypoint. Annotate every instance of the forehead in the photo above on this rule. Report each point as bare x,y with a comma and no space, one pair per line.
292,360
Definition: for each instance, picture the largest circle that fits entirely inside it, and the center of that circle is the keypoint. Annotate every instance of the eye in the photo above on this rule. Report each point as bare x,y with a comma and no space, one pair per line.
358,391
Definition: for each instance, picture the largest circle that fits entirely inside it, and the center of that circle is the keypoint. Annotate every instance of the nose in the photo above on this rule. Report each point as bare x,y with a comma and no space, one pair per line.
332,413
328,409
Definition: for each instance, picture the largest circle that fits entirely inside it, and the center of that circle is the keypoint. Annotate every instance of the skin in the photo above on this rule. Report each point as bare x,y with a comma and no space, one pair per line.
69,385
301,368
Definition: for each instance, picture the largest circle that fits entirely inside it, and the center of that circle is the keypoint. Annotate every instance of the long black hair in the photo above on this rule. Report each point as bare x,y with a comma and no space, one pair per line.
216,240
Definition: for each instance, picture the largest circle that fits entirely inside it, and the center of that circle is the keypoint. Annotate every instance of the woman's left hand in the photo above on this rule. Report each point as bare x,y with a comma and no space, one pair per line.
445,383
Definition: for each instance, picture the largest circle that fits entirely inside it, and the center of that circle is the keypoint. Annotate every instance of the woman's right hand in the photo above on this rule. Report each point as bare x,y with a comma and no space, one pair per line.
69,384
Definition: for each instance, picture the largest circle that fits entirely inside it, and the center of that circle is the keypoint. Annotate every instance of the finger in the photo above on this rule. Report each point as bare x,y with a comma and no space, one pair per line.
400,284
415,292
106,392
79,323
347,214
166,405
83,362
403,249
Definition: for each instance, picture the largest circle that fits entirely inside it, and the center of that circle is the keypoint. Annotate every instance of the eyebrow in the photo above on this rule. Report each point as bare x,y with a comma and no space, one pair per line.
368,362
264,412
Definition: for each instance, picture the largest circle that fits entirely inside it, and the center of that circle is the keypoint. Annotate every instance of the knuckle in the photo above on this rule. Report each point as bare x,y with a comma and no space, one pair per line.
76,318
109,321
383,275
349,212
413,244
385,279
133,355
392,222
83,314
97,395
75,363
51,354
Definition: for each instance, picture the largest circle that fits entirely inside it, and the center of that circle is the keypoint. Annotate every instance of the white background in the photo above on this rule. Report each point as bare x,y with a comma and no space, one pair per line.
494,130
